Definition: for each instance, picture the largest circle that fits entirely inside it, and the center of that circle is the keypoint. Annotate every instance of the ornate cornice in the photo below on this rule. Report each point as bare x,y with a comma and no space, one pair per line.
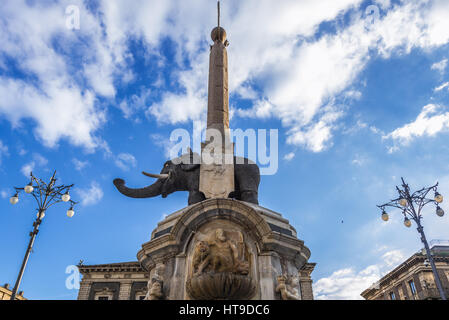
112,267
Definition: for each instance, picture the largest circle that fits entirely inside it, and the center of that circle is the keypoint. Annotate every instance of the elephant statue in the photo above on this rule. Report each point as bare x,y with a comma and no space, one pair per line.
181,175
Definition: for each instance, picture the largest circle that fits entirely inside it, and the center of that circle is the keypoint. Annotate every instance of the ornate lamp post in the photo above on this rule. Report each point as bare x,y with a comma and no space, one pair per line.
46,195
411,206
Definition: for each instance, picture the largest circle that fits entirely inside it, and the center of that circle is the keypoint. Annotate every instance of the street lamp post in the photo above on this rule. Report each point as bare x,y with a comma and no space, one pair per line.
411,206
46,195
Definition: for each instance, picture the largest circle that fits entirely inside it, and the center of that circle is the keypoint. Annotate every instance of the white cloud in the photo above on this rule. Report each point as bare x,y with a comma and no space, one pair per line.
4,194
90,196
393,258
300,72
125,161
316,136
353,94
246,92
79,165
429,122
3,151
37,162
55,101
289,156
348,283
359,160
165,143
305,76
443,86
440,66
27,169
384,4
135,103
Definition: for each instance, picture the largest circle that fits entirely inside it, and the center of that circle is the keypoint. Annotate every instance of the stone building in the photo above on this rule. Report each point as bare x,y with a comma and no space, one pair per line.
224,245
115,281
5,293
413,279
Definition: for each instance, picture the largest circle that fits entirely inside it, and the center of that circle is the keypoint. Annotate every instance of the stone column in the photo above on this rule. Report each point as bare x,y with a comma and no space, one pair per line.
83,293
178,279
305,281
125,290
269,269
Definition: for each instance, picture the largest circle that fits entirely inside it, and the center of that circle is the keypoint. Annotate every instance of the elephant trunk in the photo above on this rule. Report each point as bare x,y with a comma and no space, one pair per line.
153,190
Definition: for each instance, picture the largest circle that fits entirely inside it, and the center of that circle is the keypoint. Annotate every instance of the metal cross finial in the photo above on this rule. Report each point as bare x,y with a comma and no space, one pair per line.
218,9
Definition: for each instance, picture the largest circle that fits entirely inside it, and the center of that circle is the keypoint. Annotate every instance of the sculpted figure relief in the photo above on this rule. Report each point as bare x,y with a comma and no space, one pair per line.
220,267
154,290
288,287
155,285
219,254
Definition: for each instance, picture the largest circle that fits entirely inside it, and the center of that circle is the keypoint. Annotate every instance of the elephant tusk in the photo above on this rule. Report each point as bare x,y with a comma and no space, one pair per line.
157,176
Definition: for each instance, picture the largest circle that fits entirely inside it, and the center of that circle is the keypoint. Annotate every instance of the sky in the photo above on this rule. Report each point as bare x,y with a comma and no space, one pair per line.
358,91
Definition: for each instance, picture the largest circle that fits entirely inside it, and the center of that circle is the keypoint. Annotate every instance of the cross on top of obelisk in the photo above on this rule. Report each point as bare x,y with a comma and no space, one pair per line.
218,33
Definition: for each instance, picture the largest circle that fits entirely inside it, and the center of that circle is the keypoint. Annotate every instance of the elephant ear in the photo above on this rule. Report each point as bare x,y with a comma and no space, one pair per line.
189,167
191,161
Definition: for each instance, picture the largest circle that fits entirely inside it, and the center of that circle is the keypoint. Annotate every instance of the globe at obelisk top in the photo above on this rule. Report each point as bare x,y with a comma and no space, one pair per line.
218,33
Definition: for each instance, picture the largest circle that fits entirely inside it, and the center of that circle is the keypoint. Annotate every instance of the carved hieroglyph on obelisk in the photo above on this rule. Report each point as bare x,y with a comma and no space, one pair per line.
217,153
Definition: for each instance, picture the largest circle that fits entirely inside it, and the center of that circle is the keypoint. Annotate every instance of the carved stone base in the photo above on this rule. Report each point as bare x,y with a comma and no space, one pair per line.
227,249
220,286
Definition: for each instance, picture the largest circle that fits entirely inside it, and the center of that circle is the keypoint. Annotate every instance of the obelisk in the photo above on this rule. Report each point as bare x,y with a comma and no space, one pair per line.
217,166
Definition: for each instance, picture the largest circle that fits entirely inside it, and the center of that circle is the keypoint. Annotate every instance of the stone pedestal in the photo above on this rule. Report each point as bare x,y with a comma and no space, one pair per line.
226,249
217,165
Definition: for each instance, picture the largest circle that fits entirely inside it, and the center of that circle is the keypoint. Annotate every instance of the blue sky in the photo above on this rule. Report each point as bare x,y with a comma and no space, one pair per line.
357,89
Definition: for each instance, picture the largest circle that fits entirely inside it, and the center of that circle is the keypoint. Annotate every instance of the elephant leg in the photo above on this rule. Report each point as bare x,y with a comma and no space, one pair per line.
249,196
195,197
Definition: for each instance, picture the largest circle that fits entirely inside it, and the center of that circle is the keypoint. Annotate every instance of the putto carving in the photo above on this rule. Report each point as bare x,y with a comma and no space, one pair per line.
220,267
154,290
288,287
220,254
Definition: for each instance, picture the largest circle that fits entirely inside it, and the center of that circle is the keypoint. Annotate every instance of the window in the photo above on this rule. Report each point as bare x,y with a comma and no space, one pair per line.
411,283
103,298
392,296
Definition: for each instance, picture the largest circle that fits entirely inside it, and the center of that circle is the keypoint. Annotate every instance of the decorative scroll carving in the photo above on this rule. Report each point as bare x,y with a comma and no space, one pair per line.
288,287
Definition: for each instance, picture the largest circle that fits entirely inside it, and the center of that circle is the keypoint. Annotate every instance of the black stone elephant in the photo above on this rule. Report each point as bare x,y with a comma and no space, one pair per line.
181,175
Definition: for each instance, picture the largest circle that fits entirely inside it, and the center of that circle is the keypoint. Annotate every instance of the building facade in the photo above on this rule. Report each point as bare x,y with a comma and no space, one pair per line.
115,281
413,279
